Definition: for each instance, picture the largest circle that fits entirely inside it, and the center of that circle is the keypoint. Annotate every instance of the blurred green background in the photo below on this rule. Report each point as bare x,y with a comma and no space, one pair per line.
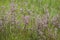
37,6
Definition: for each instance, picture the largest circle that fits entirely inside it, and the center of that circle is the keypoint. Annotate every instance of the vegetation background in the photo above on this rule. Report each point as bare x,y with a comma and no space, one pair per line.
29,19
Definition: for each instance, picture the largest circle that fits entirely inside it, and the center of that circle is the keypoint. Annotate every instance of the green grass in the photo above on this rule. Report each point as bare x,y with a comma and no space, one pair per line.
12,32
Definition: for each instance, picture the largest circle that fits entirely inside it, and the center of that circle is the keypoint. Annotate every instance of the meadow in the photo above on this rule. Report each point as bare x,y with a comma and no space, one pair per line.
29,19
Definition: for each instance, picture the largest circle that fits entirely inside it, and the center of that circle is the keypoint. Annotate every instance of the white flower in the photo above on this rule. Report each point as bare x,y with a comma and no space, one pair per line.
21,9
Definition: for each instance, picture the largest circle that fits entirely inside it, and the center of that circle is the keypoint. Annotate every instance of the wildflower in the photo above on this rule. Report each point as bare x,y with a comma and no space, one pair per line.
21,9
55,21
45,21
38,22
26,19
45,18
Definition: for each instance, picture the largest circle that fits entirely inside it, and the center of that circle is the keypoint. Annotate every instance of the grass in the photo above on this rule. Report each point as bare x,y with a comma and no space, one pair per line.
29,19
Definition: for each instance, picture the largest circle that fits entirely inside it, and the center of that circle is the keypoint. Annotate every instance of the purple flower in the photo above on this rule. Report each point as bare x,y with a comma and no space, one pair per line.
26,19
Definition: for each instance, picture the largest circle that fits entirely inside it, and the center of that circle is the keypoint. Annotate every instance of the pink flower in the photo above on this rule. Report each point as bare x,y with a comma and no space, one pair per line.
26,19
